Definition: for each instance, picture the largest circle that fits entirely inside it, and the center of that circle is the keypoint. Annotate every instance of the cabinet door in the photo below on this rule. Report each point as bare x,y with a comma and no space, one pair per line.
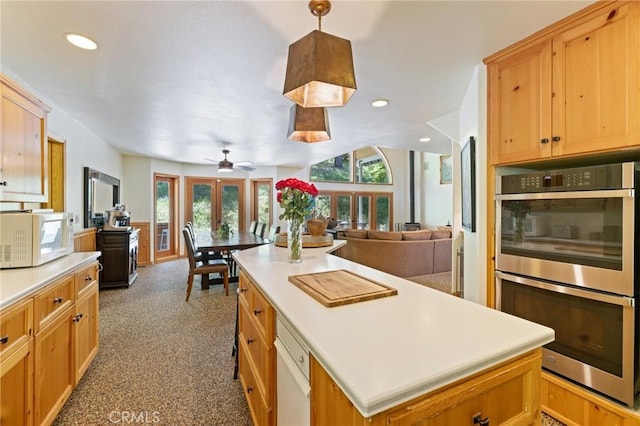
595,81
23,162
16,375
53,367
114,259
85,331
520,105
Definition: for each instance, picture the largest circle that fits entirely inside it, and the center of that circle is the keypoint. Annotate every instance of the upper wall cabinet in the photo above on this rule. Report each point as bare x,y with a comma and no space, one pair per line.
573,88
23,146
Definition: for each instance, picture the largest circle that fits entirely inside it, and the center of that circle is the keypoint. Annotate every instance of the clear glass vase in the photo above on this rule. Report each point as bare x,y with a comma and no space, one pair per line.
294,240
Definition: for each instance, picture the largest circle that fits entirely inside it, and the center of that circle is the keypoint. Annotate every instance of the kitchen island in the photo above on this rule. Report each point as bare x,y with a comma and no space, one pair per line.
371,358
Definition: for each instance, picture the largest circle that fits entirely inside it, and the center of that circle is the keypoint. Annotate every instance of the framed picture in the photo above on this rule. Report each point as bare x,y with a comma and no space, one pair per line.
446,169
468,172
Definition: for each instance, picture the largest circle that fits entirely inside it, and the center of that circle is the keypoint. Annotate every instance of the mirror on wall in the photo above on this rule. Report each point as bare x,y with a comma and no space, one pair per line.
101,193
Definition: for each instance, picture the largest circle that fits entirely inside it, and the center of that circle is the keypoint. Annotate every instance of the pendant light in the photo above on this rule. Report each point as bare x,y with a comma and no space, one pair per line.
308,124
320,66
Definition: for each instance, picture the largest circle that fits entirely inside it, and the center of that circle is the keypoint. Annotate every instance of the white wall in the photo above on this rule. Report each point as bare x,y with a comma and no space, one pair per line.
437,198
473,118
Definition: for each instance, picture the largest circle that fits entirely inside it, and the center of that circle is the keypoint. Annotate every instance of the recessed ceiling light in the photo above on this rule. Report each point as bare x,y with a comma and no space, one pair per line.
81,41
424,139
379,103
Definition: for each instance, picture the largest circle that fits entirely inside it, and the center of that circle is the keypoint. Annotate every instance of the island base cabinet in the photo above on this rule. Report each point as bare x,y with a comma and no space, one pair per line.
507,394
53,367
16,375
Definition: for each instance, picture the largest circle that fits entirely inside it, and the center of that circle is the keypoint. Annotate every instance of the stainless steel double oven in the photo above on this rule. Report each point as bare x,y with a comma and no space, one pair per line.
566,250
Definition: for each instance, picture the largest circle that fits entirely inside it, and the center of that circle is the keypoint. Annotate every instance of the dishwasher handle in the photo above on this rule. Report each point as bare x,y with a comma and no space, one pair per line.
292,367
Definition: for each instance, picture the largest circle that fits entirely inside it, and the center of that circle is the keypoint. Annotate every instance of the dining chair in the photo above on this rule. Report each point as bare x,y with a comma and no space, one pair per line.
260,229
252,226
213,266
273,231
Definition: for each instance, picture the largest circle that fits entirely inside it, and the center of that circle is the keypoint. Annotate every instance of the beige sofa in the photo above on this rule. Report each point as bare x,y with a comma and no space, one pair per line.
403,254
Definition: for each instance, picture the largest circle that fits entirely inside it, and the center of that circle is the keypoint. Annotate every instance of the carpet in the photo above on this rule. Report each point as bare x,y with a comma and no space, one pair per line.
161,360
440,281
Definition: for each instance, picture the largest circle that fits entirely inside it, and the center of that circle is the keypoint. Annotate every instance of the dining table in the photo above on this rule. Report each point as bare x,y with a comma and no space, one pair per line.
221,246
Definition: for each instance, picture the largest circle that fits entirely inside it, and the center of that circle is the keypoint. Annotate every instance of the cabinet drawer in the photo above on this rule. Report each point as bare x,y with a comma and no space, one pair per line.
16,327
84,278
257,406
264,316
244,291
257,351
52,301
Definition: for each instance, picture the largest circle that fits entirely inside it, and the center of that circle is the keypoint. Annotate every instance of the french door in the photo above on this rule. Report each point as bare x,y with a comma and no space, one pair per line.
357,210
210,202
165,218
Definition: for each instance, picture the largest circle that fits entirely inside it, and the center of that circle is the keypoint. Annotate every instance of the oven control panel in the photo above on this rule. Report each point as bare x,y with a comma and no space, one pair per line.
577,179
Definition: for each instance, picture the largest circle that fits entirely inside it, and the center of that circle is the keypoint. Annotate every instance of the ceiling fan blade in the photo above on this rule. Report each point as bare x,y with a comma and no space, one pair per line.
210,159
244,167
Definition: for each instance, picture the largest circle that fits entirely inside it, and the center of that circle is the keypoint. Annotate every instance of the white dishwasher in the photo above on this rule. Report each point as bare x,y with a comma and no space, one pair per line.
292,377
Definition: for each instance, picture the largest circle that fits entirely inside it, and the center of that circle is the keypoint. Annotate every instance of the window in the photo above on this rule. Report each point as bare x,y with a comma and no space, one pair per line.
369,165
261,200
337,169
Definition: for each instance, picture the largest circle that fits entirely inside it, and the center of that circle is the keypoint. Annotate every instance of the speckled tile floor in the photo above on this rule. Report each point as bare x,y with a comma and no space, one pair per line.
163,361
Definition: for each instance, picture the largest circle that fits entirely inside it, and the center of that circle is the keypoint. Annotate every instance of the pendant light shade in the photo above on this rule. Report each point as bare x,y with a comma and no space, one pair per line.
308,124
320,71
320,66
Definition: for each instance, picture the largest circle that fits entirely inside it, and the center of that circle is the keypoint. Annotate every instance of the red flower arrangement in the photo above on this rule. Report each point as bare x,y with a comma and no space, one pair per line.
296,197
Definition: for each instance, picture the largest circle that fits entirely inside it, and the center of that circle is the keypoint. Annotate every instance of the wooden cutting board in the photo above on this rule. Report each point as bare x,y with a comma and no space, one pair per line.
341,287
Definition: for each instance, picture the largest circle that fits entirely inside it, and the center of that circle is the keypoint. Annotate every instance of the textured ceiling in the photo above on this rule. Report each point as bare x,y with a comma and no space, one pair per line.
180,80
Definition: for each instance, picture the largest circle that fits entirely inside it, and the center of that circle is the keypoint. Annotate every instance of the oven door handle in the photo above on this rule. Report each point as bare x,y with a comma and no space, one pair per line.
605,193
571,291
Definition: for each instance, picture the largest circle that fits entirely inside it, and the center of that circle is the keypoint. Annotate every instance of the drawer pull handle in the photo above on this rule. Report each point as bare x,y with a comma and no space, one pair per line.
301,359
57,300
77,318
556,138
88,278
544,140
249,389
4,339
250,341
243,290
478,420
257,312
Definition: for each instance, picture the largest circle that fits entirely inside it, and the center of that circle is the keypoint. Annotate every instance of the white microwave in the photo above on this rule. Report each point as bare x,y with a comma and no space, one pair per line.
33,238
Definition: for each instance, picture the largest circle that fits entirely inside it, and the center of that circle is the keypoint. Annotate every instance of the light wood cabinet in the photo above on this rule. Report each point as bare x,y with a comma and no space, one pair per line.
506,394
85,319
571,90
54,368
47,342
144,252
16,364
16,374
23,163
574,405
257,358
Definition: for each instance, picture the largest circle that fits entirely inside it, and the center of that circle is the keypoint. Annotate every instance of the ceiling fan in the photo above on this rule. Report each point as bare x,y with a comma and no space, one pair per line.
227,166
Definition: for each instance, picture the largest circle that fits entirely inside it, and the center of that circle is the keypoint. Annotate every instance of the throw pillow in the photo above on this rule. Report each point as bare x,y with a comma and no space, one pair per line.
385,235
439,235
424,234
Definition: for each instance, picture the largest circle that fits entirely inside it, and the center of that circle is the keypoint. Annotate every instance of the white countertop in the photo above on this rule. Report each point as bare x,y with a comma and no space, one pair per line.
19,282
386,351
